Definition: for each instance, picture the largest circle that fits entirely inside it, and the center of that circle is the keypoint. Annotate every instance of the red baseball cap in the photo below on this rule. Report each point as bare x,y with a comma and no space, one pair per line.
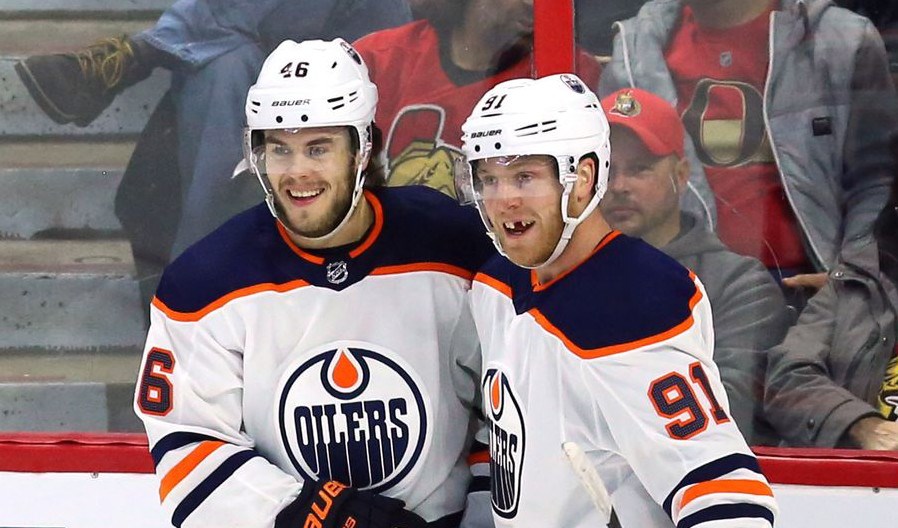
650,117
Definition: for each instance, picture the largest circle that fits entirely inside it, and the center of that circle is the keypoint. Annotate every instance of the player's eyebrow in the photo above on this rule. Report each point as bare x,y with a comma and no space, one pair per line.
274,141
321,140
326,140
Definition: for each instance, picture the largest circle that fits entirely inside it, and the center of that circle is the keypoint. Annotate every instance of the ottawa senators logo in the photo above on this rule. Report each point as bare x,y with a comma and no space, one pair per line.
355,413
417,155
725,120
506,426
626,105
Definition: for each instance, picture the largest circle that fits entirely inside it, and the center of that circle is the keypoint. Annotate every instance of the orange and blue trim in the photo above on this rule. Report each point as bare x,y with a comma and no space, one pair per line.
710,479
627,295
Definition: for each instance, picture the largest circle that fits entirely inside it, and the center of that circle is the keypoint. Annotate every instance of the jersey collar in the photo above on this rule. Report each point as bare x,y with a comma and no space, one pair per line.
361,246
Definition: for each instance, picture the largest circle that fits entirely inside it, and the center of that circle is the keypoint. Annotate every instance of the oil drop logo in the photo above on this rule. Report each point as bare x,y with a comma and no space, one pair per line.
353,412
507,441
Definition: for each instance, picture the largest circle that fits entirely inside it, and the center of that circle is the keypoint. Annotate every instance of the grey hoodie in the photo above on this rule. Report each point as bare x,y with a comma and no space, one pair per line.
750,316
829,108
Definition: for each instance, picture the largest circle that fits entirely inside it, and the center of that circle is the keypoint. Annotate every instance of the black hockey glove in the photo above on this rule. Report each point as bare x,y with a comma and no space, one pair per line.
330,504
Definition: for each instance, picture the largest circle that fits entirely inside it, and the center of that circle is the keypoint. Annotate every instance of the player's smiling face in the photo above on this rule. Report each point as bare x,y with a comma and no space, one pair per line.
522,199
312,173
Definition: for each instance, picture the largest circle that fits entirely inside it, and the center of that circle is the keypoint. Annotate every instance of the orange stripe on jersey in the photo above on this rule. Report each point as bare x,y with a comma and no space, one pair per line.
438,267
480,457
592,353
221,301
375,231
497,285
185,466
305,255
748,487
697,296
534,282
372,235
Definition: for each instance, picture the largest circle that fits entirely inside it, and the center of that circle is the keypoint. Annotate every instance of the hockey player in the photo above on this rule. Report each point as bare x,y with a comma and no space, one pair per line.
591,338
318,368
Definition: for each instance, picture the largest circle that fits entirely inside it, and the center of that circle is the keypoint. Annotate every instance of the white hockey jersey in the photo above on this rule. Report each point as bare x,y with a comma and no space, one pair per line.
266,365
616,356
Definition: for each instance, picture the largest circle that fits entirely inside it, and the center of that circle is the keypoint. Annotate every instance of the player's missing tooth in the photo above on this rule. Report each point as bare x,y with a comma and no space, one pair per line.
597,348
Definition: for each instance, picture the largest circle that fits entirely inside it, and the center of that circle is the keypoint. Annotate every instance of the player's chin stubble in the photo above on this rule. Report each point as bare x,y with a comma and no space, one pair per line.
315,228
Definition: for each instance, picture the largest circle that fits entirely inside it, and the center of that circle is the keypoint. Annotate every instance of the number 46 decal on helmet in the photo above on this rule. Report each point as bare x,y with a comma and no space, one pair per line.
302,69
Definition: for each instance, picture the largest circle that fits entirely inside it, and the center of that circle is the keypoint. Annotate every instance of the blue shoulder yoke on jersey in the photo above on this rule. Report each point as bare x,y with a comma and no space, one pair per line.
625,294
416,228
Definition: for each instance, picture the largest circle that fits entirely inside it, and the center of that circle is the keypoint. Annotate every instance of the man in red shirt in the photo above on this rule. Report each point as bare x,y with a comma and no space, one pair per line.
788,106
432,71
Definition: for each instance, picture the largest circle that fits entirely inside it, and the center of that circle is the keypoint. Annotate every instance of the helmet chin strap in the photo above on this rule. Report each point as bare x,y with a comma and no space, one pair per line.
570,225
563,240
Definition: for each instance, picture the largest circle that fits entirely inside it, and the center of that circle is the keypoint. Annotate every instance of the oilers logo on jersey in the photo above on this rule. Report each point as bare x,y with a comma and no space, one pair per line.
353,412
506,426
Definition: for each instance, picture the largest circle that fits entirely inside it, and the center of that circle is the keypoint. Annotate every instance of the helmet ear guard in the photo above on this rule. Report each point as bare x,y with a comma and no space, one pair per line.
556,116
311,84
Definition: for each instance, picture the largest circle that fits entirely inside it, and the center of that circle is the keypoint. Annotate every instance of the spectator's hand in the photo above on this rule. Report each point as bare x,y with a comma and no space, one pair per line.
814,281
875,433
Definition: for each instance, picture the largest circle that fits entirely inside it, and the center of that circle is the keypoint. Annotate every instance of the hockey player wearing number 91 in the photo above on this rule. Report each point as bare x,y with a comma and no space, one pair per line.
319,368
590,338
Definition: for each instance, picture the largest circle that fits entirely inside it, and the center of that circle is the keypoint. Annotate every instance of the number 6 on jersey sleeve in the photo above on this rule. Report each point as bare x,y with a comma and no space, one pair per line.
672,396
155,395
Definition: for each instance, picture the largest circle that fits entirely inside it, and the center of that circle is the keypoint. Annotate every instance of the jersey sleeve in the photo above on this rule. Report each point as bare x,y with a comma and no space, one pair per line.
667,412
189,397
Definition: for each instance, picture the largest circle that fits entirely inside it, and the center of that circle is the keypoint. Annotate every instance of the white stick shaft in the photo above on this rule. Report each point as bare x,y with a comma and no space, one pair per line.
590,479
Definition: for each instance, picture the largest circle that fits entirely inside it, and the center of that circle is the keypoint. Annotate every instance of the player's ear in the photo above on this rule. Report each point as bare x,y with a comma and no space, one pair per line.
586,179
584,186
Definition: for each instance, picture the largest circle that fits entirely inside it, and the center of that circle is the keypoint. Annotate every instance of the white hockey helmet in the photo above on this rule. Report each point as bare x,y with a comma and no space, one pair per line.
557,116
313,83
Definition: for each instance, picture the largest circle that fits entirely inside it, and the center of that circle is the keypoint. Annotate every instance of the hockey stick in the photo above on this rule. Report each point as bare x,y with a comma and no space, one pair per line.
589,478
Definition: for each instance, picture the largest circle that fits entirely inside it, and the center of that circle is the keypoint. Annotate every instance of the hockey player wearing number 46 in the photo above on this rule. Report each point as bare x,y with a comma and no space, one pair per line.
591,338
320,368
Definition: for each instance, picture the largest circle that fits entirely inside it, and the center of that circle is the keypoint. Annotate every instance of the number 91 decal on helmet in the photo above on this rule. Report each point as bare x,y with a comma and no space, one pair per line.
556,118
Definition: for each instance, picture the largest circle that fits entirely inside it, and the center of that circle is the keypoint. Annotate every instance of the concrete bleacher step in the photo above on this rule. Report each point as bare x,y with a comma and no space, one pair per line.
71,321
71,335
25,37
62,154
36,201
67,294
71,391
82,8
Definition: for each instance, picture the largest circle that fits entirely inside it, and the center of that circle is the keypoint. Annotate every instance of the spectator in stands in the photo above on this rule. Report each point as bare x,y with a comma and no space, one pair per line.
178,186
190,35
648,176
793,139
834,381
432,72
